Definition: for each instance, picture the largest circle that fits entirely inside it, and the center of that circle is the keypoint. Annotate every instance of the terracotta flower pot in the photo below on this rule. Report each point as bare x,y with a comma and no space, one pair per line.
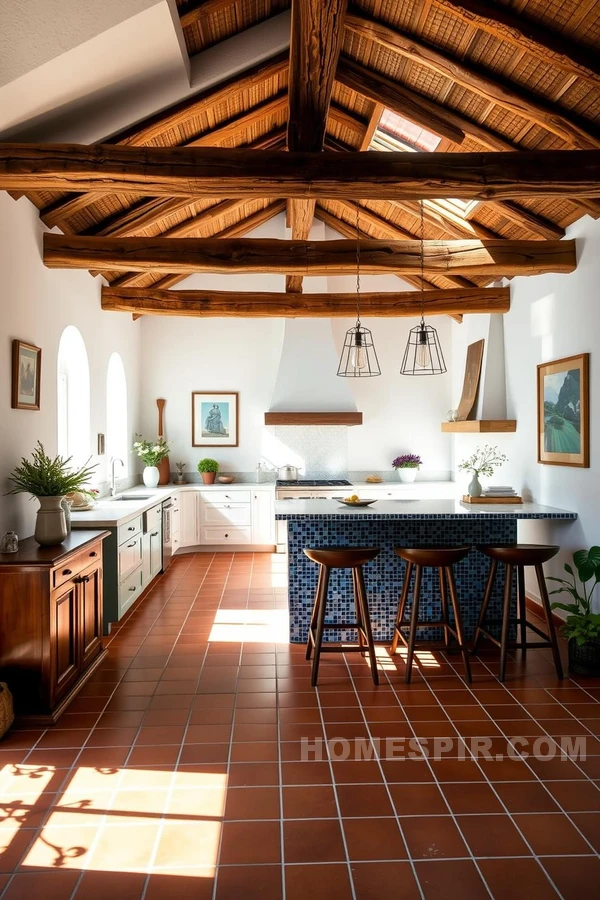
208,477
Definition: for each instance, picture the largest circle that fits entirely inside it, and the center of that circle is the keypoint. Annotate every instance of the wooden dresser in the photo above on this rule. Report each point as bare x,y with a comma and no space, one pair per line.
50,622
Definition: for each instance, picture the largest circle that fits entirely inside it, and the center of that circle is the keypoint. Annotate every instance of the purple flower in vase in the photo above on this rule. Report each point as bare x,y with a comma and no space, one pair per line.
407,461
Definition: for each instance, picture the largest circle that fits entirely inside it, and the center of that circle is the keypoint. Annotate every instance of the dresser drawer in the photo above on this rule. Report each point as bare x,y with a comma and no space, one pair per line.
130,556
129,529
130,590
76,564
226,496
227,513
226,535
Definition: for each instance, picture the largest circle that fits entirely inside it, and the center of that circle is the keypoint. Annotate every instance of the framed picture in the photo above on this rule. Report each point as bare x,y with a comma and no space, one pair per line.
563,411
26,375
214,419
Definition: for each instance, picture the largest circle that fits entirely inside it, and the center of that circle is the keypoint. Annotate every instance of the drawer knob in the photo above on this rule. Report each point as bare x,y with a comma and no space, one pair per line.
131,545
93,553
132,588
226,535
67,572
154,534
131,528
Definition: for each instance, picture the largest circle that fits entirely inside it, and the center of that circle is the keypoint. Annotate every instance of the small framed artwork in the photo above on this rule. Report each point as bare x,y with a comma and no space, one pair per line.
563,412
26,375
214,419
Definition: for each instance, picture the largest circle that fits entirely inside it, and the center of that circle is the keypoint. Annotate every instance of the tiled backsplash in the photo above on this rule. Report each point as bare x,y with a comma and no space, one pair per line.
317,452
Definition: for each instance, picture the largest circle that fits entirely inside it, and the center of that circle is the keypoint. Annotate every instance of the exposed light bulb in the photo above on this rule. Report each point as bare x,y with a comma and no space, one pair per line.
422,355
358,357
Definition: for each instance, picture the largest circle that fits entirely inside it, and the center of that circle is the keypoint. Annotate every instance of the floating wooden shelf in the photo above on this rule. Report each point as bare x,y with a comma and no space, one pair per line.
480,426
313,418
467,499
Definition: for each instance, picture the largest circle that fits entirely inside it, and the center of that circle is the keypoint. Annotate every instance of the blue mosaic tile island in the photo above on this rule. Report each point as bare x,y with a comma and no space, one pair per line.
389,524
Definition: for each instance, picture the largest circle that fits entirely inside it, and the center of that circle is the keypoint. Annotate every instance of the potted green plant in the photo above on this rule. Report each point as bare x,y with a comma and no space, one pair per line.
49,480
482,462
151,453
582,626
407,466
208,468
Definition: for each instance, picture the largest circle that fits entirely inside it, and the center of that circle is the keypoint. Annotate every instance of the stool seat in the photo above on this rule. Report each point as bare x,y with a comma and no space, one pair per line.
521,554
442,559
432,556
341,557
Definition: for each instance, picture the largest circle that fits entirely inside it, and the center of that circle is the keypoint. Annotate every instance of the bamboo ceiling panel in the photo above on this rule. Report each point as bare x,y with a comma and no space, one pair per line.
214,27
573,17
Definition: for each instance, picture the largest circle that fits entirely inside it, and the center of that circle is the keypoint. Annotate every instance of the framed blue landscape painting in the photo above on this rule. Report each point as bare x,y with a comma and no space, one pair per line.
563,411
214,419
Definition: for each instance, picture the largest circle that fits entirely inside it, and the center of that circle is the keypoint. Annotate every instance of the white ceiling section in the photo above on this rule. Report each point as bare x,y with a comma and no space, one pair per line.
113,78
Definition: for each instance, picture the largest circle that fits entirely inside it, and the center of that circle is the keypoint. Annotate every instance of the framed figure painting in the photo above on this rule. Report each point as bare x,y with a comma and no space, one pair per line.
214,419
563,412
26,375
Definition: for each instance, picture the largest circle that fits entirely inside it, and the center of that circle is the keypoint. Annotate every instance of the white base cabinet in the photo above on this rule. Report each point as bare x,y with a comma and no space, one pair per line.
227,516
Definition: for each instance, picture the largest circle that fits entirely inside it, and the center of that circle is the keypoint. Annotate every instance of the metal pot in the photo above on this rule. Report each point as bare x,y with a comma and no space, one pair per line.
287,473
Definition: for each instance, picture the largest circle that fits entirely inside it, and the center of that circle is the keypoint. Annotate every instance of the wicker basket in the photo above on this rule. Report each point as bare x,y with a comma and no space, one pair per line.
7,715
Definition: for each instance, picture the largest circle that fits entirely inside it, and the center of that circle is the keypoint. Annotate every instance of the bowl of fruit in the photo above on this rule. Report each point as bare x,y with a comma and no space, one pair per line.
354,500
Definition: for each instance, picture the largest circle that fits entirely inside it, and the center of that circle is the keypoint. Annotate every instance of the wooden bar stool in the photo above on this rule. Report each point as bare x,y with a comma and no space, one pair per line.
517,556
330,558
442,559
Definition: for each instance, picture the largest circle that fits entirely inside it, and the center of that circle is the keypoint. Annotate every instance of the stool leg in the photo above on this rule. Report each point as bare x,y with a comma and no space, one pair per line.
313,618
522,609
549,623
414,619
505,620
359,617
401,607
458,621
485,604
444,602
366,620
320,623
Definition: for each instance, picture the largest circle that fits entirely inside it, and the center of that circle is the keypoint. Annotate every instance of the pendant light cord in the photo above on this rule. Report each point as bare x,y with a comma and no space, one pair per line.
422,266
357,266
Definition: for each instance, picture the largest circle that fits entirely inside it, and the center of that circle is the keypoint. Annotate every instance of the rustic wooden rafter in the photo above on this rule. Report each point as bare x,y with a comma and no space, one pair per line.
236,304
494,89
193,13
307,257
210,172
522,32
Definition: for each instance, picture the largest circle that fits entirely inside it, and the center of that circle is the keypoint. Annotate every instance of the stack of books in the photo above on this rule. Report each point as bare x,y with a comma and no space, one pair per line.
499,490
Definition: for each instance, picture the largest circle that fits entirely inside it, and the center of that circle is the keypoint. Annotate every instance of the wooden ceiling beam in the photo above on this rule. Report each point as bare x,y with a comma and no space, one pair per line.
517,29
236,304
511,97
192,13
242,256
317,31
210,172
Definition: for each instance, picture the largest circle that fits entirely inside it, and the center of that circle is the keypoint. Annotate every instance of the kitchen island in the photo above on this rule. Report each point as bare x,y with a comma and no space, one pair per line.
394,523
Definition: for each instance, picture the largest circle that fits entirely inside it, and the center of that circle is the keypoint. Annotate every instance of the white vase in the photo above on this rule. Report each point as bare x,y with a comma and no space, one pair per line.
407,475
50,524
150,476
475,489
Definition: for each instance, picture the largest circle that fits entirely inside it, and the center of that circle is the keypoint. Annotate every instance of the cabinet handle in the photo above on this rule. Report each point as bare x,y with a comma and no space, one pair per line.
132,589
93,553
82,579
85,579
226,535
154,534
67,572
131,545
131,528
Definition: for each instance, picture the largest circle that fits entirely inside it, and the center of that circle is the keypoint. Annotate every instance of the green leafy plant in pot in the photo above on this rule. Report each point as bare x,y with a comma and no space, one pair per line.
49,480
208,468
582,626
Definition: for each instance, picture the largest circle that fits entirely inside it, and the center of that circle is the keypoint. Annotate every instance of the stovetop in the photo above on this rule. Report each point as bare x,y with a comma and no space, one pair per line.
308,483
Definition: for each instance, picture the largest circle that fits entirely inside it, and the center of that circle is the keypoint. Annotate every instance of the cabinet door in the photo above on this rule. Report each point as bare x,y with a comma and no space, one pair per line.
146,569
90,612
65,650
188,505
155,552
263,517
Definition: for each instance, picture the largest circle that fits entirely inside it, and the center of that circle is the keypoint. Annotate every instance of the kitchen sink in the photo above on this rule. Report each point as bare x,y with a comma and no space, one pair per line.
135,497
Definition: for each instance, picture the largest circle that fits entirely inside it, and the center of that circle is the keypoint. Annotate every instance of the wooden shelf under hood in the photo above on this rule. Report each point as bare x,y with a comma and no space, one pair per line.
313,418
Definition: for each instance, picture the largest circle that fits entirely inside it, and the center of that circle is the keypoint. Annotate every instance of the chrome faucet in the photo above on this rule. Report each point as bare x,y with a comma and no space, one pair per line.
113,488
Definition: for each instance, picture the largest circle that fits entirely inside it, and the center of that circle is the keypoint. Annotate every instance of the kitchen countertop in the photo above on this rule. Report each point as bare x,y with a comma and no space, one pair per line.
110,512
422,509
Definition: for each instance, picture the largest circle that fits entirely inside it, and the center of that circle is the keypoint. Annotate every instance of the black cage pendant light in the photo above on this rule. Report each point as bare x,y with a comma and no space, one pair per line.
423,354
359,358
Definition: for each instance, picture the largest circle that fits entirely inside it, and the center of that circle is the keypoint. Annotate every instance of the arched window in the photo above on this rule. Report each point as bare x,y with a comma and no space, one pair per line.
73,400
117,434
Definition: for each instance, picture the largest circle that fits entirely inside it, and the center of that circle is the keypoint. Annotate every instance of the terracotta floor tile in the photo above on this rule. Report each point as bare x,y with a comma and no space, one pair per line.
456,770
252,803
492,835
250,883
330,881
250,842
551,834
256,774
432,837
384,879
589,824
450,880
363,800
373,838
502,876
259,751
303,773
575,796
309,802
406,770
475,797
185,842
204,753
313,841
528,796
49,885
573,876
506,770
351,772
180,884
100,885
418,799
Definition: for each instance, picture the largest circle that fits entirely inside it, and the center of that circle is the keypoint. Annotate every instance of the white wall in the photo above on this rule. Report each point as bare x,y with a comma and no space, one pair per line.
37,304
551,316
